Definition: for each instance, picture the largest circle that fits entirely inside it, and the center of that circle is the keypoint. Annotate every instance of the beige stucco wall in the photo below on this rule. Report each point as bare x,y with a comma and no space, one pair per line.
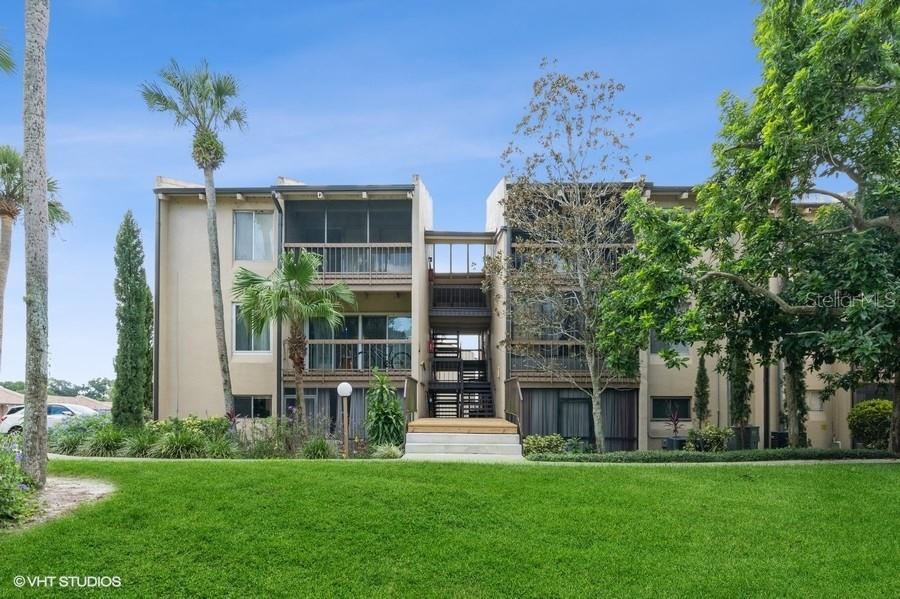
189,379
420,291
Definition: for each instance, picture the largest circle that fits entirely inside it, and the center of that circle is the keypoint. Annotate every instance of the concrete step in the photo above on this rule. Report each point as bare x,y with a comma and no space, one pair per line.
460,457
477,438
481,448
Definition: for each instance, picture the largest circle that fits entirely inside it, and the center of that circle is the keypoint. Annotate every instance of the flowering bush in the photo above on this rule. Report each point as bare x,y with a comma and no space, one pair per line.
16,495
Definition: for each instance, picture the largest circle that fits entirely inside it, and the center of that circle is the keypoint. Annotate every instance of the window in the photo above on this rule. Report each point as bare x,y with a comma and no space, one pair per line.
347,222
399,327
245,340
253,406
814,401
304,222
56,410
324,355
253,235
390,221
656,346
663,407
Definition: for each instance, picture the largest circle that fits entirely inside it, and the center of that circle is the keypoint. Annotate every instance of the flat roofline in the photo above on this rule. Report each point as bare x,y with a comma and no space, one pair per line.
286,188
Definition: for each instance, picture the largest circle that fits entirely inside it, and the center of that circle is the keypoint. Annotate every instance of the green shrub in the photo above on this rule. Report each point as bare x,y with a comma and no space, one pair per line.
870,423
318,448
386,452
577,445
17,499
272,438
744,455
221,447
182,443
543,444
384,421
709,438
139,443
68,443
103,442
75,427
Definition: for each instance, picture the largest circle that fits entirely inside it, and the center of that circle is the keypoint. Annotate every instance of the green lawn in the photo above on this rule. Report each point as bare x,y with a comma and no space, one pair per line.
288,528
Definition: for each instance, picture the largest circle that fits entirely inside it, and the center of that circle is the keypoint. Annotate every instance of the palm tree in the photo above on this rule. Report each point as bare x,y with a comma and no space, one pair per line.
12,199
7,65
34,169
290,296
204,101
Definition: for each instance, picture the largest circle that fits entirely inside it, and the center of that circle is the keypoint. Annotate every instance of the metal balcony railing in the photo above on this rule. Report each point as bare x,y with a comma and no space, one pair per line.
355,355
355,261
458,296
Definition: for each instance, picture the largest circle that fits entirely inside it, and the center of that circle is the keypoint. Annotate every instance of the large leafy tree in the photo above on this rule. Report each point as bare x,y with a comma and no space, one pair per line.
12,200
130,388
291,296
205,101
37,230
565,208
810,287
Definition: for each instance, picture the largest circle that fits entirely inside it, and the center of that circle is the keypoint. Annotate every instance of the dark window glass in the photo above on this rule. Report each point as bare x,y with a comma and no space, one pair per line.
245,340
390,221
261,407
663,407
55,410
657,346
243,406
347,222
304,221
374,327
349,329
319,329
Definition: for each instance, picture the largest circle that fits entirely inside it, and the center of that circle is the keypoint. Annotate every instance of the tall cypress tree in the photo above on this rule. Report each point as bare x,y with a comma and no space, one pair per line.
701,392
130,388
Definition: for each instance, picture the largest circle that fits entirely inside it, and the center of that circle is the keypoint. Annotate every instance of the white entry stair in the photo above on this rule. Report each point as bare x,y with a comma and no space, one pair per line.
437,441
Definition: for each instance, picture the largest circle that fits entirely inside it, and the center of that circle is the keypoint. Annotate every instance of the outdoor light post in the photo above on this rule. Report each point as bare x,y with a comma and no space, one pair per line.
345,390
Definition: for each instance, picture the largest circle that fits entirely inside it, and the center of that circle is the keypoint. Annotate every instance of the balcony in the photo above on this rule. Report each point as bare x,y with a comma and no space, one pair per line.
354,359
455,301
549,361
361,262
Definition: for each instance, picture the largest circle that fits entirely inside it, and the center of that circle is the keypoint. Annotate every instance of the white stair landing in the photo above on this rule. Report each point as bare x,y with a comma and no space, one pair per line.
469,447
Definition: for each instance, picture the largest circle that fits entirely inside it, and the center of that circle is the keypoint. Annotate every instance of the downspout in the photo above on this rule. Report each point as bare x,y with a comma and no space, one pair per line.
156,302
279,385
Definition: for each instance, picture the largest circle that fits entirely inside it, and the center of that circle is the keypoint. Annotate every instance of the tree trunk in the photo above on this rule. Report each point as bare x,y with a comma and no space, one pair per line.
34,167
790,402
894,443
596,400
6,229
297,355
212,232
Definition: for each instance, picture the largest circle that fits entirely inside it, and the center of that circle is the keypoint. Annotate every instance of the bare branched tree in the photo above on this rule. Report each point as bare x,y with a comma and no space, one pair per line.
568,167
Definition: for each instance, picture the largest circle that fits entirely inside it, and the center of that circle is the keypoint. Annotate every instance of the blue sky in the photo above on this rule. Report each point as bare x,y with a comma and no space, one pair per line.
337,92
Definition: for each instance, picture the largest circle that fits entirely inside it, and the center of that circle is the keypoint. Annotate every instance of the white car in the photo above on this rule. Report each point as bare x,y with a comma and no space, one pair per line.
56,413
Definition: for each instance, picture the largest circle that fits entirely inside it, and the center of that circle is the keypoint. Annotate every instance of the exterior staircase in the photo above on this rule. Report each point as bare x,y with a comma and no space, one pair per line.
459,387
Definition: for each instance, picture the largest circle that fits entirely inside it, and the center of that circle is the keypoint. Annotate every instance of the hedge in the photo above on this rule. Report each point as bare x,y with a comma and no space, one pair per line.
745,455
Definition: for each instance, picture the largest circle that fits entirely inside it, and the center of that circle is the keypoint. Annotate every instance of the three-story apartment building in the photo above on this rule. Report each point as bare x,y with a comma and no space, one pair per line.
421,316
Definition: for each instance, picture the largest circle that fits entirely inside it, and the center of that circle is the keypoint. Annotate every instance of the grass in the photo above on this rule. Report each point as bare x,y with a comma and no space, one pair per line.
296,528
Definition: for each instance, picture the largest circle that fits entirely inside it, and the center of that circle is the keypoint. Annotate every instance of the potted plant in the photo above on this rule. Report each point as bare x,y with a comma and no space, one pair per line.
675,442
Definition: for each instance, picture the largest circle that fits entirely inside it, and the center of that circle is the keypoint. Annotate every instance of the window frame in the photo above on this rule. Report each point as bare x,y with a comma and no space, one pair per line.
234,246
253,398
235,312
681,417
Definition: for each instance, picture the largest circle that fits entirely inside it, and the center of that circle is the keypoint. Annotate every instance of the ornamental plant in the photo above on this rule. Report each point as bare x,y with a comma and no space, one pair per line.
384,422
870,423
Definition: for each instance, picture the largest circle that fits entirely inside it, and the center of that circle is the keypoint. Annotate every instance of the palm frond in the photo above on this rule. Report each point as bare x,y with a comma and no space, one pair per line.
290,294
7,64
199,97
